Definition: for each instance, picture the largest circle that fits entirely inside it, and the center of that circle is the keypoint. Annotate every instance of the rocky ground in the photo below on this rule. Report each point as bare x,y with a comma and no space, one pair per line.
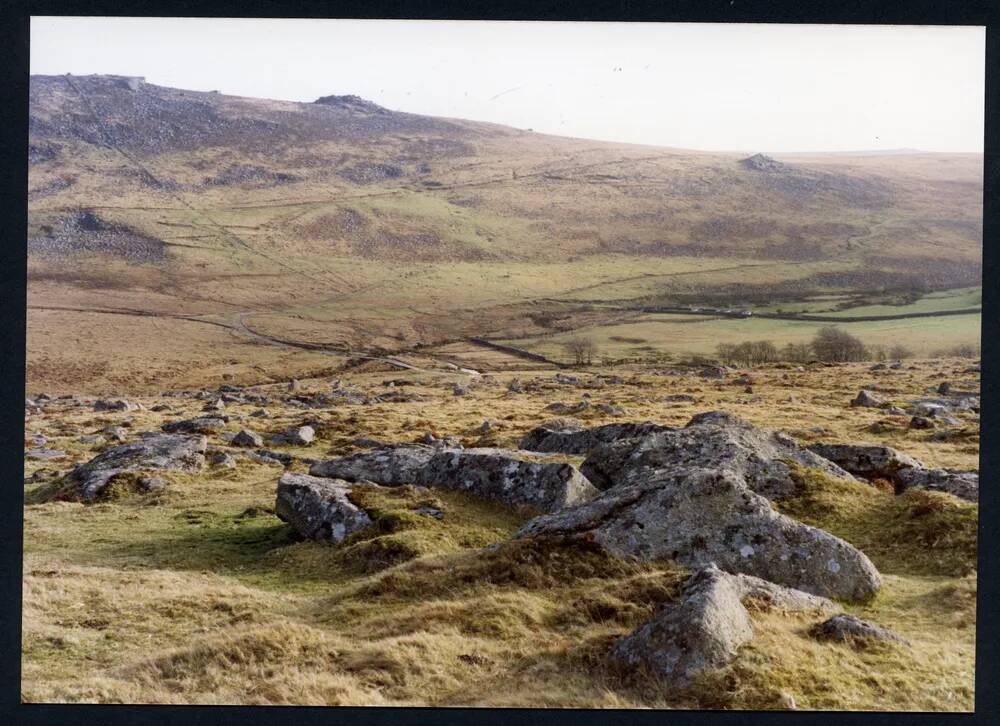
783,537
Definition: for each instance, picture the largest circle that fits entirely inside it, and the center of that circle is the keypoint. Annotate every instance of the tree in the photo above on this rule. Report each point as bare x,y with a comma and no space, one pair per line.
726,353
834,345
749,353
797,353
583,350
899,352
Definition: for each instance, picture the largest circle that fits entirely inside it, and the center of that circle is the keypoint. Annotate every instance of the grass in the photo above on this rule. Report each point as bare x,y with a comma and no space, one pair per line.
679,335
203,596
916,533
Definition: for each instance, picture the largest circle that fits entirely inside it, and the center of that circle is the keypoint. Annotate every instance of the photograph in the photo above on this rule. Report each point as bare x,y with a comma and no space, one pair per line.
502,364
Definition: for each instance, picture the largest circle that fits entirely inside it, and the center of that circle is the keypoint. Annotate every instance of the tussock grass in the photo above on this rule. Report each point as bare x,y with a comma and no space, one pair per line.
918,532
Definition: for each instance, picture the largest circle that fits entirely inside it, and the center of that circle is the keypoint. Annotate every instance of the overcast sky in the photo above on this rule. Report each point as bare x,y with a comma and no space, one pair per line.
697,86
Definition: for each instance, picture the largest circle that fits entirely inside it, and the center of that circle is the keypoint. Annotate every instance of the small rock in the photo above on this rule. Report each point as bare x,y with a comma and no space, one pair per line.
201,425
222,459
247,438
566,409
296,436
117,404
609,409
867,399
43,454
848,628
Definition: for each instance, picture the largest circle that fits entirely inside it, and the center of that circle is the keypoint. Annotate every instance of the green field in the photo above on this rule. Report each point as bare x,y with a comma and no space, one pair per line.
680,336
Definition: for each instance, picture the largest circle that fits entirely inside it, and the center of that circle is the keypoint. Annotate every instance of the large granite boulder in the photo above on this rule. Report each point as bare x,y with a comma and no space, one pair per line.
496,474
391,465
500,475
704,629
713,440
179,452
699,516
319,508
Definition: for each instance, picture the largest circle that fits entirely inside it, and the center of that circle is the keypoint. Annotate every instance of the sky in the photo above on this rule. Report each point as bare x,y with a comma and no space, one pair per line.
732,87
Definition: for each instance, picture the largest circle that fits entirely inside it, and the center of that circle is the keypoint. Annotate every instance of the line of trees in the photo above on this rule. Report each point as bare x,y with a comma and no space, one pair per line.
831,344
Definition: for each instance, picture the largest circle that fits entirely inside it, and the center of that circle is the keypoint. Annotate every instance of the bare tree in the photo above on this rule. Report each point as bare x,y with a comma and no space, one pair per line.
797,353
749,353
834,345
583,350
899,352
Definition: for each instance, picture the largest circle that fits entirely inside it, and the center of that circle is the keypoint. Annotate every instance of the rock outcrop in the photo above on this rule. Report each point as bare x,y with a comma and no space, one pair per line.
569,438
705,627
391,465
319,508
884,462
152,451
200,425
715,440
496,474
698,516
499,475
868,461
962,484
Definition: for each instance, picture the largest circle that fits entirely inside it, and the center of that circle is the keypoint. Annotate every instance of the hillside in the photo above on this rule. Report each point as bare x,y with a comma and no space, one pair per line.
304,425
343,224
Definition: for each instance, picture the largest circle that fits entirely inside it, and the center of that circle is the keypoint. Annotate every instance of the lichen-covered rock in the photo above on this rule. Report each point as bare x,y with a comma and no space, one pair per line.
706,626
116,404
318,508
245,437
962,484
569,438
867,399
296,436
152,451
869,461
199,425
391,465
698,516
499,475
716,440
884,462
702,631
848,628
496,474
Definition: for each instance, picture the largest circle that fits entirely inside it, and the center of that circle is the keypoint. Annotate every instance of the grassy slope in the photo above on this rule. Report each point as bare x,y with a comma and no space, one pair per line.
480,217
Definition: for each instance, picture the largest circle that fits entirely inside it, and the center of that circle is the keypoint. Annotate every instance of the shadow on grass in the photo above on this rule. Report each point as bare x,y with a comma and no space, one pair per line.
253,546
